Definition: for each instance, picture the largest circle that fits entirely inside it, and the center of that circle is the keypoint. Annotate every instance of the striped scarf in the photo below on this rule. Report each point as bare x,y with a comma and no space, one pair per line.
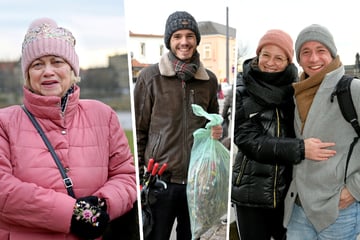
185,70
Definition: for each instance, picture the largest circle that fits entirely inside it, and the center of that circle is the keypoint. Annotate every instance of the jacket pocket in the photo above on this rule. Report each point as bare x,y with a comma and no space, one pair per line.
239,170
154,145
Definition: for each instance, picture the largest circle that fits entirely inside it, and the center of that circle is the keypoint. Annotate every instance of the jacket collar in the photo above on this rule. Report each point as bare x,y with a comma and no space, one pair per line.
332,78
167,69
50,106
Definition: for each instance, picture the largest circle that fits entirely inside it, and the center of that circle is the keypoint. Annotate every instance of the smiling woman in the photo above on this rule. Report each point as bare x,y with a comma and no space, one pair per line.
92,154
264,125
50,76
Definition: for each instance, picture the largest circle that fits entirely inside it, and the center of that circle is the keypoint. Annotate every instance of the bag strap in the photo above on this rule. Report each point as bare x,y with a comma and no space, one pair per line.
67,181
343,94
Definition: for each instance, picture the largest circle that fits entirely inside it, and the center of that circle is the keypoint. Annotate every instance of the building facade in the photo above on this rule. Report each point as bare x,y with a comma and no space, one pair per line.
147,49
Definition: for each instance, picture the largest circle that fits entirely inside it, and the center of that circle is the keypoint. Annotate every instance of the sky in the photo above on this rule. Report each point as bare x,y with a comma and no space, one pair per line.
252,18
101,27
98,26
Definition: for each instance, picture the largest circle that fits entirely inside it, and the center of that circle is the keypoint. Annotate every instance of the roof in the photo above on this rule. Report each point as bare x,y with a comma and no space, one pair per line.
136,63
8,65
212,28
143,35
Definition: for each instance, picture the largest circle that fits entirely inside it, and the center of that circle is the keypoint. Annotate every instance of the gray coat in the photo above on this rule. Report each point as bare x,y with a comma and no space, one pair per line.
319,183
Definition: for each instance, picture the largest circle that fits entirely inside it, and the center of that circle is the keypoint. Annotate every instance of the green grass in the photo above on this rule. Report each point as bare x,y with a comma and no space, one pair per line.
129,135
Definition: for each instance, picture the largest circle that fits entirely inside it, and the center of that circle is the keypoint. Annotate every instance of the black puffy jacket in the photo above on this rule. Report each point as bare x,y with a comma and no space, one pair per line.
267,147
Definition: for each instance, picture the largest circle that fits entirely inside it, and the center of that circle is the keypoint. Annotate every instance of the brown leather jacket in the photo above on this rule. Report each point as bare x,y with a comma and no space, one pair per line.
164,118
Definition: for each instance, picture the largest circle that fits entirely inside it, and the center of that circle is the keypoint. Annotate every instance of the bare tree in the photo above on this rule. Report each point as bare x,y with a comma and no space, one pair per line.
242,52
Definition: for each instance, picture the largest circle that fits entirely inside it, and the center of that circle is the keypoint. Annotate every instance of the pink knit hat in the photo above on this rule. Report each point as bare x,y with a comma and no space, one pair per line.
44,38
280,39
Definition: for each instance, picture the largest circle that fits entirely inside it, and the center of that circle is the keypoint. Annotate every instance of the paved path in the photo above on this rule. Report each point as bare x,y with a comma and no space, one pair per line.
217,232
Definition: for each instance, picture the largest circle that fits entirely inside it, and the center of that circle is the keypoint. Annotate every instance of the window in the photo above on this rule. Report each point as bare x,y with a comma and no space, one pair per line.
161,50
142,48
207,51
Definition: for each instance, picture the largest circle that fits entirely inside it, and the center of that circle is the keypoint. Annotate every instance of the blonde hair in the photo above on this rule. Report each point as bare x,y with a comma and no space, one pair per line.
75,79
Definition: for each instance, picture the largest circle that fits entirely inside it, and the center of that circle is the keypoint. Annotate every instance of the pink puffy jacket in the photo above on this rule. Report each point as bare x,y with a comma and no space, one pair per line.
92,146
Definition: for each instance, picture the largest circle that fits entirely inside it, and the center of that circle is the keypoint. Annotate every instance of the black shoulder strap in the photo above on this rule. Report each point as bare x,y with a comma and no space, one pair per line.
67,181
343,94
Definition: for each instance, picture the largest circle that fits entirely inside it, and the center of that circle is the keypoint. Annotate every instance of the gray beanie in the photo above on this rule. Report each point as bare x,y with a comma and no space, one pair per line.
317,33
177,21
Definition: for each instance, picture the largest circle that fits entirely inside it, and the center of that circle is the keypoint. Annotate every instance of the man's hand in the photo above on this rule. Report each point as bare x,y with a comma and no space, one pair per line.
317,150
216,132
346,199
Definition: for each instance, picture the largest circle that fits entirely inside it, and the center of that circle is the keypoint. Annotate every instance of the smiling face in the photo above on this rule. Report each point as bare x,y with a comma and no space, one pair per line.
314,57
183,44
50,76
272,59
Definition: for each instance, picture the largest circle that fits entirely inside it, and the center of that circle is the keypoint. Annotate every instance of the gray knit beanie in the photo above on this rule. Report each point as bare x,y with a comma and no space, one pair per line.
177,21
317,33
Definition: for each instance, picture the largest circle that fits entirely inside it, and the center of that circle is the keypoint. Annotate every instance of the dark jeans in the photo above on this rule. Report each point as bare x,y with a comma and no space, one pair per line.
171,204
260,223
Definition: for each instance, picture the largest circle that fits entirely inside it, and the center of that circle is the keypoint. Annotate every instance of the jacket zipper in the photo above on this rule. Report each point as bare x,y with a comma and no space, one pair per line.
63,109
276,165
183,84
192,96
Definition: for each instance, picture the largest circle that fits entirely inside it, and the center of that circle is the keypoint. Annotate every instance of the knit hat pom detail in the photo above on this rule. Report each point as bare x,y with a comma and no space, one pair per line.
44,38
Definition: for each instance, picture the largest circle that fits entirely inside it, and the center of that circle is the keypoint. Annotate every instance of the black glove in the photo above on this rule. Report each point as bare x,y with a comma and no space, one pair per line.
90,218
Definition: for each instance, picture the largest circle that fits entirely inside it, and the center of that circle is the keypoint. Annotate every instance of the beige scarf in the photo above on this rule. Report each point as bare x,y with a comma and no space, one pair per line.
306,89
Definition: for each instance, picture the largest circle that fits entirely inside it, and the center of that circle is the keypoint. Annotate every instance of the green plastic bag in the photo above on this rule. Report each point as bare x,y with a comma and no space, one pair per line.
208,177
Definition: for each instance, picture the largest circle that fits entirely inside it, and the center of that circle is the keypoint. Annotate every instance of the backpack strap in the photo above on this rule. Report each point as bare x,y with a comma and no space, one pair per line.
343,93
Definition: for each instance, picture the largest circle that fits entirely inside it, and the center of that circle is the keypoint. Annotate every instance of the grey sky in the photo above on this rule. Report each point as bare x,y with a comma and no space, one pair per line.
98,26
253,18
